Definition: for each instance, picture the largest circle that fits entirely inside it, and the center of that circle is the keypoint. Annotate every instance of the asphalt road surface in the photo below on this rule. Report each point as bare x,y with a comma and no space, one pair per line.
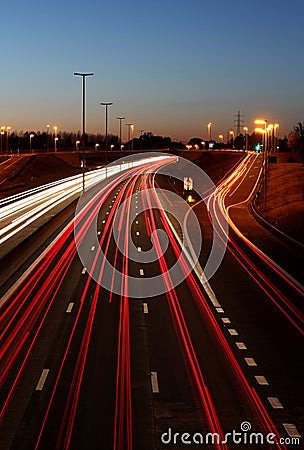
90,368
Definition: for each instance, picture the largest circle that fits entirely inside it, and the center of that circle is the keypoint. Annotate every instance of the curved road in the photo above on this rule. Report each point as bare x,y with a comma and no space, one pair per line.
85,368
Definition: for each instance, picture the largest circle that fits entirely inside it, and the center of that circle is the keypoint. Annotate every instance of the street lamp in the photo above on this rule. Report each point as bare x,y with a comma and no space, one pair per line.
7,136
77,145
31,137
47,136
263,131
83,75
209,131
106,104
55,137
2,133
221,137
96,146
276,126
246,137
129,130
120,119
132,128
231,132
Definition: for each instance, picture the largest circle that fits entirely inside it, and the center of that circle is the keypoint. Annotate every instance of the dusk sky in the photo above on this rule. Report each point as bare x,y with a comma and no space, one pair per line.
169,66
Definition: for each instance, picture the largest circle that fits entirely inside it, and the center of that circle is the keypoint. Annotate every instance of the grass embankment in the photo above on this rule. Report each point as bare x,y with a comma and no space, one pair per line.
285,195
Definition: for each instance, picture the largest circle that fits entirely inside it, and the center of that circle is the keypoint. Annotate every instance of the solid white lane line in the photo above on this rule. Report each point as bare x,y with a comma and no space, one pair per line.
275,402
250,362
154,383
70,307
226,320
42,379
292,430
261,380
233,332
241,345
146,309
141,272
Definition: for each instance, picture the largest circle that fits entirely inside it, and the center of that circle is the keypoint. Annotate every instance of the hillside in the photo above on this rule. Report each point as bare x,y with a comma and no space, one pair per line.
285,195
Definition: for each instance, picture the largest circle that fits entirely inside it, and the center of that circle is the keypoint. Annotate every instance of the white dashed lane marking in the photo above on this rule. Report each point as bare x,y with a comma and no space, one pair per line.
154,383
70,307
42,379
275,402
261,380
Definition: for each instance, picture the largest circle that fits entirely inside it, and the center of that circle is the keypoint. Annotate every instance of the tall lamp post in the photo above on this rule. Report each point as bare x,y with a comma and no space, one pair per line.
130,127
246,137
263,131
209,131
221,137
2,133
31,137
106,104
8,129
83,75
55,138
47,136
120,120
231,132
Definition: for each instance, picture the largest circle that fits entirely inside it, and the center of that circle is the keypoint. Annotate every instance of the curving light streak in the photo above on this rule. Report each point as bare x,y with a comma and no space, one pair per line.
217,204
21,210
207,314
27,302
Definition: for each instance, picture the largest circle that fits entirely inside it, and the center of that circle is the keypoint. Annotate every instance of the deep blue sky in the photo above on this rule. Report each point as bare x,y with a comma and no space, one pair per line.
169,66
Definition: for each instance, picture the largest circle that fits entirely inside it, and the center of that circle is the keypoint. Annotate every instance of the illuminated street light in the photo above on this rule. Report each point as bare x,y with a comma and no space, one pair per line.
106,104
8,129
221,137
47,136
120,120
2,133
96,146
209,131
231,132
132,135
276,126
130,127
83,75
55,137
77,145
31,137
246,137
263,131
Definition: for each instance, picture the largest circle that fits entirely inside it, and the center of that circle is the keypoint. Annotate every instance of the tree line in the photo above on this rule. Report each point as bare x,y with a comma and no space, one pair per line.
62,140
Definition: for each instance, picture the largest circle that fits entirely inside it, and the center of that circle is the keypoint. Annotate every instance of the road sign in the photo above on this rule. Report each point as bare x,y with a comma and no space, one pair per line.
188,184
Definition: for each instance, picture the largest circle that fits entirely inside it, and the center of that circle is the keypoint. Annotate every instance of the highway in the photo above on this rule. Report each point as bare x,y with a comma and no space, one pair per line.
97,361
